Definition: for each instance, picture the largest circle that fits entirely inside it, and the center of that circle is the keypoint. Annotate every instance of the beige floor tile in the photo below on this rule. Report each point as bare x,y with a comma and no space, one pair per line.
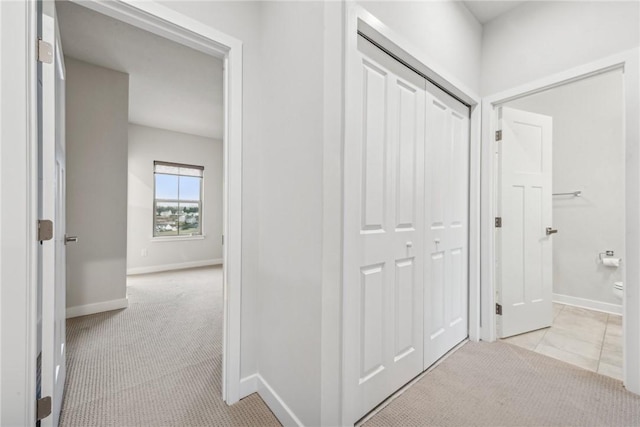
612,343
583,312
568,357
611,357
557,308
615,319
594,335
613,329
610,370
568,342
529,340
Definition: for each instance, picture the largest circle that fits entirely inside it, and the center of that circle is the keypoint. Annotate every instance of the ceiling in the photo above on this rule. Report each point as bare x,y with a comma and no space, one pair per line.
485,11
171,86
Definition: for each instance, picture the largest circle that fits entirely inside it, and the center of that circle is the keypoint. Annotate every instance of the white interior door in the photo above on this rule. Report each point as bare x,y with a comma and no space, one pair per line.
383,276
524,249
52,201
447,219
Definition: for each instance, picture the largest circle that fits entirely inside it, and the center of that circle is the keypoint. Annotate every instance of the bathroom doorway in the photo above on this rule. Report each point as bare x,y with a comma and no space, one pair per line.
560,228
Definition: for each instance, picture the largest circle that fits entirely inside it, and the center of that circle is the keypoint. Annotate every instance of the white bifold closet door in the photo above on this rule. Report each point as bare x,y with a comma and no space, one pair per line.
447,224
389,212
384,184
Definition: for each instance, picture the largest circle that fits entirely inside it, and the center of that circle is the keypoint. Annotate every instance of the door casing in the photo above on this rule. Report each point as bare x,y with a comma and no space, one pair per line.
629,61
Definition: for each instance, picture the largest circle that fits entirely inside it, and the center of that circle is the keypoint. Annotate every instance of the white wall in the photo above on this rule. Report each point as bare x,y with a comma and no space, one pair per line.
144,253
588,155
538,39
97,119
241,19
442,30
288,113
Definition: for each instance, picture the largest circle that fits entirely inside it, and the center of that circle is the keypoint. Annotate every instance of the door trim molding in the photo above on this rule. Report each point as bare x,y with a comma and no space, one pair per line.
18,183
358,19
629,62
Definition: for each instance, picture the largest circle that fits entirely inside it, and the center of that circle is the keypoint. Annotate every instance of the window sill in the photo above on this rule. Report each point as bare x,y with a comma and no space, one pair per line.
177,238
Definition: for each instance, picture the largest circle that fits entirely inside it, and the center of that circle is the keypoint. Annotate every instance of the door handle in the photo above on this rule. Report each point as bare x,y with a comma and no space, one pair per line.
70,239
551,231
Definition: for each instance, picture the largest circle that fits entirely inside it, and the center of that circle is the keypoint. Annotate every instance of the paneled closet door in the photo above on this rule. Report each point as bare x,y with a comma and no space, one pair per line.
383,271
447,224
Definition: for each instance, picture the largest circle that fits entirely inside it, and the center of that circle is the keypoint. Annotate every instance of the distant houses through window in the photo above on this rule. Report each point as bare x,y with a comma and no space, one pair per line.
177,199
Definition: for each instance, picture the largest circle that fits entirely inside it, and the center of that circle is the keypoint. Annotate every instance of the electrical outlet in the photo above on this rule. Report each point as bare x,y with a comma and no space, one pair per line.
144,252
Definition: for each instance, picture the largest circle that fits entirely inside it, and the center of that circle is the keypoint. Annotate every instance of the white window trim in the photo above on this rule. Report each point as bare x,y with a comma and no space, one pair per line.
160,239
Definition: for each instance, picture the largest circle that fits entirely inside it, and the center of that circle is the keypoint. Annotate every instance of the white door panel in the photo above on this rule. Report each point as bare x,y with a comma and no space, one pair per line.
446,234
524,249
52,200
383,211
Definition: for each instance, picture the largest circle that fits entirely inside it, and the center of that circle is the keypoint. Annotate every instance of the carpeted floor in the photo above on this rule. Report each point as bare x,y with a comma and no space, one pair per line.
157,363
499,384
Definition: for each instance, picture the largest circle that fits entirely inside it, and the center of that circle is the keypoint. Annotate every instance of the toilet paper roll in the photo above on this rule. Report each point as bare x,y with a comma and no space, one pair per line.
611,262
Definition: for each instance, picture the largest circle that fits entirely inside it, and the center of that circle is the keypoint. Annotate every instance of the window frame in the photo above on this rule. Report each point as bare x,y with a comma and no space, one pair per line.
178,201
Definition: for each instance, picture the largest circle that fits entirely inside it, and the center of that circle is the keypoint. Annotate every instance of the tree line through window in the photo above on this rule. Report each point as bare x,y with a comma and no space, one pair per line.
177,199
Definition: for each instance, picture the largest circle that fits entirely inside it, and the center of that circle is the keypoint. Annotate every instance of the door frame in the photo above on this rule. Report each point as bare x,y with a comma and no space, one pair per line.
18,150
629,61
358,19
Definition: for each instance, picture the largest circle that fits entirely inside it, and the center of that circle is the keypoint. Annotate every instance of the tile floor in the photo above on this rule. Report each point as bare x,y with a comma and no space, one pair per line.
586,338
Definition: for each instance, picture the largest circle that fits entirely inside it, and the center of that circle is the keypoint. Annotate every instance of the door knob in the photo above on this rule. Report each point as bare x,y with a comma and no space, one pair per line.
70,239
551,231
409,244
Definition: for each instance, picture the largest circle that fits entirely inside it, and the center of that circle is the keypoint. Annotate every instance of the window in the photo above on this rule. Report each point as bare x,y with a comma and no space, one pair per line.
177,201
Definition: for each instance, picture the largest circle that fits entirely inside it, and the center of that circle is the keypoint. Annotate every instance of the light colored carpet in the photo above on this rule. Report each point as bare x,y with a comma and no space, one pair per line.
157,363
498,384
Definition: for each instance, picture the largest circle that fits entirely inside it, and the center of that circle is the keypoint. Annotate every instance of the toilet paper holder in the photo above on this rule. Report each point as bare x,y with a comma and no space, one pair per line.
605,254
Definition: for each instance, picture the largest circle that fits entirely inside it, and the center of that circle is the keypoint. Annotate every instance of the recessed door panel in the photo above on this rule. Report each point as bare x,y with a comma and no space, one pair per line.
404,300
516,213
374,149
459,171
436,285
457,286
437,155
407,156
372,321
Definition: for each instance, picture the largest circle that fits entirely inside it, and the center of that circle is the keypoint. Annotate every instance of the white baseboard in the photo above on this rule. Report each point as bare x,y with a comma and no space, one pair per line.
248,385
99,307
280,409
605,307
169,267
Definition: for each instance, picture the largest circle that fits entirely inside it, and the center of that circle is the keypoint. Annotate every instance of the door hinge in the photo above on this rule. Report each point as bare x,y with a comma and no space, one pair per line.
498,309
45,52
498,222
45,230
498,135
223,239
43,408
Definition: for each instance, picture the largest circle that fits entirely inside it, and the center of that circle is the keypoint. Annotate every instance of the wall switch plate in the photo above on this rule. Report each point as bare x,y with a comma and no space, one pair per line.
144,252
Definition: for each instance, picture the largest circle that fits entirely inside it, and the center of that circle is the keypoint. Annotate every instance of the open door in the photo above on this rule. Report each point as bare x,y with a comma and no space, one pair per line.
524,227
52,207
